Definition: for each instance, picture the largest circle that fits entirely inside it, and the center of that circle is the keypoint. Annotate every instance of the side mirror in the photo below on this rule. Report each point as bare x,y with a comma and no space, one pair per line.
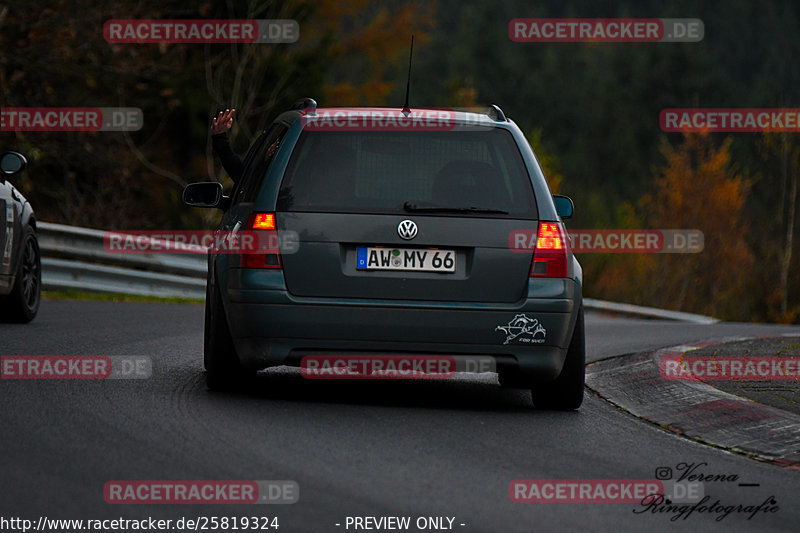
12,163
205,194
564,205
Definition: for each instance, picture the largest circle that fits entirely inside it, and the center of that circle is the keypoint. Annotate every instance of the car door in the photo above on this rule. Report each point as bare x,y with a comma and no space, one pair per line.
254,169
255,165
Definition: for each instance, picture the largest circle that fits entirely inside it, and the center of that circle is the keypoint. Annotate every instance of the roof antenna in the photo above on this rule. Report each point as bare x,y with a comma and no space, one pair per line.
406,109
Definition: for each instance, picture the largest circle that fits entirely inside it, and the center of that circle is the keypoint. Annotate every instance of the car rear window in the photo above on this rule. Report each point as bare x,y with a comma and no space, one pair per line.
379,172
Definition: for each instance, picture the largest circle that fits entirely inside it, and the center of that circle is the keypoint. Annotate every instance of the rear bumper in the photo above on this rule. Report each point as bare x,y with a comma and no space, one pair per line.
271,327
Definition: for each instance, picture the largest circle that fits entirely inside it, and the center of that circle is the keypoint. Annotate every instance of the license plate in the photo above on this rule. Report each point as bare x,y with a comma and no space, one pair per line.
412,259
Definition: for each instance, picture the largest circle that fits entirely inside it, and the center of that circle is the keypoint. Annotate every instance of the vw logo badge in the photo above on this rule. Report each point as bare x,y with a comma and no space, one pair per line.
407,229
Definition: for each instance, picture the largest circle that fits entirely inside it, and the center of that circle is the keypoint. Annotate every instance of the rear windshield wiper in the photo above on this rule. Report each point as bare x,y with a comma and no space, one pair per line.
415,208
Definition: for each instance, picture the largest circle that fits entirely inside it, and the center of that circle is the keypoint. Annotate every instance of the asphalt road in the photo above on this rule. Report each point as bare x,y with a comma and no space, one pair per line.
430,448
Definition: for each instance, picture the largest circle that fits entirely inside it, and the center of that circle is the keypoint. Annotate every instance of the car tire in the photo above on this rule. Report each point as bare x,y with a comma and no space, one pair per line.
566,391
22,303
224,372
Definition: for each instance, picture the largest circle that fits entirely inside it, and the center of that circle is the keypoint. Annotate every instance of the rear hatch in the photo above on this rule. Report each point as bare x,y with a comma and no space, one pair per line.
411,215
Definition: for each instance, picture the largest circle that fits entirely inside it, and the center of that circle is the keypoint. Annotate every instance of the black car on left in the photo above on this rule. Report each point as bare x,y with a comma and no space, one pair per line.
20,260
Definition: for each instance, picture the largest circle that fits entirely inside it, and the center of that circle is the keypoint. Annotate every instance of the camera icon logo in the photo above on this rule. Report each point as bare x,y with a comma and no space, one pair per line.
663,473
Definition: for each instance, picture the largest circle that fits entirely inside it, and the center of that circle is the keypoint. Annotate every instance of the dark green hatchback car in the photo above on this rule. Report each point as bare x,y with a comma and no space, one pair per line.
418,233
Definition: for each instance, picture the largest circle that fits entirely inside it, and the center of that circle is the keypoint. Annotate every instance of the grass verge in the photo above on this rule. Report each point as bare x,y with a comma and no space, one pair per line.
74,294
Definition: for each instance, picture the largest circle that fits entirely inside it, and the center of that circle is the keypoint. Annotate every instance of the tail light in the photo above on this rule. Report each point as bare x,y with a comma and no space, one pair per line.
550,256
265,252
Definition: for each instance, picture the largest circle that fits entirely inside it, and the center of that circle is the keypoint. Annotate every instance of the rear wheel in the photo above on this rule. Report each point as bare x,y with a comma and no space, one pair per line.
566,391
224,372
22,304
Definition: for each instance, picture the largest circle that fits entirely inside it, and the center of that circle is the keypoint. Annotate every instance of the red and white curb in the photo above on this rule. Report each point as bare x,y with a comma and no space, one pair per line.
695,409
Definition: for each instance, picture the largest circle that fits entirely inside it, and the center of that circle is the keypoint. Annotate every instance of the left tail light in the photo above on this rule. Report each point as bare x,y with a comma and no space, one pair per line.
265,252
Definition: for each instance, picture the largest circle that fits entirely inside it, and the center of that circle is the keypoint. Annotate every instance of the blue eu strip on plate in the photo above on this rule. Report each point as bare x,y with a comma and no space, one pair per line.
361,258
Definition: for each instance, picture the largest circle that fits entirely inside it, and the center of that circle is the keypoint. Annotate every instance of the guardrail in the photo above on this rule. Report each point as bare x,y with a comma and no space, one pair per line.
75,258
638,311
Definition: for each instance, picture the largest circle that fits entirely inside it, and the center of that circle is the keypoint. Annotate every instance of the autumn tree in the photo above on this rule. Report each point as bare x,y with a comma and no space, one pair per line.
697,189
776,242
370,43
